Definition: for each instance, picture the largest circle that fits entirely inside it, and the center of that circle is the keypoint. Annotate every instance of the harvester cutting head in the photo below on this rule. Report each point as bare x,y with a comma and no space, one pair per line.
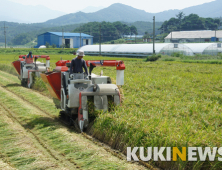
27,67
72,93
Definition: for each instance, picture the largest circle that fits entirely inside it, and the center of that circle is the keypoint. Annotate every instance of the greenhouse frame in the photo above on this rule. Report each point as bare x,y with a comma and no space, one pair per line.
143,50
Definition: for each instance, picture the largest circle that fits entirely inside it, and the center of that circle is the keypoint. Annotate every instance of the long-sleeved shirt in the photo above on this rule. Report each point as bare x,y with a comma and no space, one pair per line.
77,65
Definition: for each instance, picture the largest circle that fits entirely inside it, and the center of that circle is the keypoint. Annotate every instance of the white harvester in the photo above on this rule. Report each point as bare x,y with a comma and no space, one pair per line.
27,68
72,93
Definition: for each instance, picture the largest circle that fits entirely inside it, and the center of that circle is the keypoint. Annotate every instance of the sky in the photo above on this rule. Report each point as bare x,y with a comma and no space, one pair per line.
152,6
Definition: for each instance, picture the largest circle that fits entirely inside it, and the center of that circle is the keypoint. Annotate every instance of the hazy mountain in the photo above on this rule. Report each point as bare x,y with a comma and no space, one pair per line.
210,9
14,12
120,12
11,19
91,9
115,12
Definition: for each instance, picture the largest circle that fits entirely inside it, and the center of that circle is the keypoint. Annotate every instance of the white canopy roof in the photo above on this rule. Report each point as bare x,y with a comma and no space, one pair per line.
198,47
125,48
145,49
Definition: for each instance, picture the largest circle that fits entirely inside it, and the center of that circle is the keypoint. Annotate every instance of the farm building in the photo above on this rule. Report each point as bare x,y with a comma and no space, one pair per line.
69,40
194,36
143,50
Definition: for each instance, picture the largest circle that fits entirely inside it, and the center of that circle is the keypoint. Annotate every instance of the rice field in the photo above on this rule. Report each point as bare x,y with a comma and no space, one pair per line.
165,104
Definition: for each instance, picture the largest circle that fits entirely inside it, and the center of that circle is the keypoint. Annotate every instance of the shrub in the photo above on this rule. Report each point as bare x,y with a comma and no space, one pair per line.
176,54
53,46
47,45
153,57
169,59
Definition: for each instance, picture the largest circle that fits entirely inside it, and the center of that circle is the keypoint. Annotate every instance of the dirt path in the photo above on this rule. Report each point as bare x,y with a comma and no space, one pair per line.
82,151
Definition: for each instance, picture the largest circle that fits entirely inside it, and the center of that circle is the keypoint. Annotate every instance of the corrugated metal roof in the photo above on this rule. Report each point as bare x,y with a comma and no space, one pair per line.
68,34
194,34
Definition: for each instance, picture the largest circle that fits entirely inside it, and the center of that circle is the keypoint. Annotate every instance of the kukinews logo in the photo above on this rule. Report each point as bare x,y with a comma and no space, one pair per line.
172,153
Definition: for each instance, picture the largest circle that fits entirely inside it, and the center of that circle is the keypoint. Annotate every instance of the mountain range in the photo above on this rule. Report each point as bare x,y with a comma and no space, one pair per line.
125,13
14,12
90,9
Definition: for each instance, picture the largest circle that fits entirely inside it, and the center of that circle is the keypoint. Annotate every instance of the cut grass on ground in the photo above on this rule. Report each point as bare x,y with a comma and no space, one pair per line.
58,139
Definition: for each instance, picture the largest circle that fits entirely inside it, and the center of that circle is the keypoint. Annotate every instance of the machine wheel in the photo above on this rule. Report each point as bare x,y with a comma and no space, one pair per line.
76,125
62,115
69,120
66,118
24,83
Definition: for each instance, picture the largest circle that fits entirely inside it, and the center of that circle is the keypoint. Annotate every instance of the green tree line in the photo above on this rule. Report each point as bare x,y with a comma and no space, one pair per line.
190,22
16,32
107,30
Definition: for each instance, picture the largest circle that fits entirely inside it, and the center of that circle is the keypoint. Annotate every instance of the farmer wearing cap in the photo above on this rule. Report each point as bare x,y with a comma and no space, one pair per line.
29,58
78,63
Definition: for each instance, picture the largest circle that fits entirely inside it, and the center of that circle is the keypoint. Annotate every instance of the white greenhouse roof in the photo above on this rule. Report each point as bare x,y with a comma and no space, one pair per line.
147,49
198,47
125,48
194,34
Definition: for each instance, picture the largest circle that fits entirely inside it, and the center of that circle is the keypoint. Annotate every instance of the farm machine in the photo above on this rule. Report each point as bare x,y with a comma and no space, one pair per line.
28,67
74,93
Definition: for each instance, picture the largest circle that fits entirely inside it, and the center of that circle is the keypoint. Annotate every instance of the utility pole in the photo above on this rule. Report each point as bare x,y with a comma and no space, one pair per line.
135,38
215,35
62,38
163,34
153,34
171,36
5,33
80,41
100,39
91,31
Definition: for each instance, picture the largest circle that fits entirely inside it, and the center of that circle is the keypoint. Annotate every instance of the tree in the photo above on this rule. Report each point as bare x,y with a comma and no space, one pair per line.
180,17
190,22
108,30
126,30
119,27
21,39
193,22
146,35
210,24
47,45
133,30
53,46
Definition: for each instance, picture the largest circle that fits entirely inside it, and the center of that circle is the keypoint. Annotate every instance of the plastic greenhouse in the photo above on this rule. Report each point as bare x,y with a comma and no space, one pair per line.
143,50
176,48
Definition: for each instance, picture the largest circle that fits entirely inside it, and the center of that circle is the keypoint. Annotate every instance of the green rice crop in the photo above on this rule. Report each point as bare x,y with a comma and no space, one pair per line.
169,103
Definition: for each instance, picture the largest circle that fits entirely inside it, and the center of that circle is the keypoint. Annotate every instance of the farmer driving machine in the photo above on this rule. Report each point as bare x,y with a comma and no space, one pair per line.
27,68
73,93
